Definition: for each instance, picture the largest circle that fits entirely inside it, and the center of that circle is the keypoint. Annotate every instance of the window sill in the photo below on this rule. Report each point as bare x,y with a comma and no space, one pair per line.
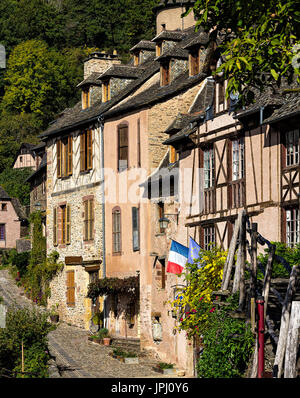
85,172
117,254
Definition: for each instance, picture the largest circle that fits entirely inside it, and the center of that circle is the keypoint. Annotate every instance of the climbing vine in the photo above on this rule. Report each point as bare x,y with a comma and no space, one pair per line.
115,286
36,275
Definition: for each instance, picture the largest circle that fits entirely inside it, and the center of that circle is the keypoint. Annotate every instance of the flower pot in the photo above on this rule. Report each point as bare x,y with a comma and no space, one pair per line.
54,318
106,340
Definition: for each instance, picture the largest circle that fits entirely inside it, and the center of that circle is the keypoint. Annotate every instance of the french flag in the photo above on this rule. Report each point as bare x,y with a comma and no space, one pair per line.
177,258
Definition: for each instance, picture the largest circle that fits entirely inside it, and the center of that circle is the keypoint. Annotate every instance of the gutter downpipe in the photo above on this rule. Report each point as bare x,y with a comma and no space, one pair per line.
261,114
100,120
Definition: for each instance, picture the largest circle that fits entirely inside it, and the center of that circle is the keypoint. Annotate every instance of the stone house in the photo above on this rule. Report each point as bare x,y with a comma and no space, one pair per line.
25,157
118,126
13,223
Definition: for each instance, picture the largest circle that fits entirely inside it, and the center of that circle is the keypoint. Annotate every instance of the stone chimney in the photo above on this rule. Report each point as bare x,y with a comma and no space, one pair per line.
99,62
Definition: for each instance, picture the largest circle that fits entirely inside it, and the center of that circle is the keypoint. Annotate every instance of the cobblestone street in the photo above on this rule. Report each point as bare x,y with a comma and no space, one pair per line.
74,356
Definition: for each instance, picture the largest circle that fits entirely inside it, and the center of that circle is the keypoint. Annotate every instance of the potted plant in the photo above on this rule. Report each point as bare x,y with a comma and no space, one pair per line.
54,316
125,356
103,334
165,368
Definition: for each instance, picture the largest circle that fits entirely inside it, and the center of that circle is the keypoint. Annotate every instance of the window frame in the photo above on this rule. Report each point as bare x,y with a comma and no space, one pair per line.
295,152
211,167
86,151
208,232
88,219
295,221
238,159
64,156
122,127
135,228
116,243
2,232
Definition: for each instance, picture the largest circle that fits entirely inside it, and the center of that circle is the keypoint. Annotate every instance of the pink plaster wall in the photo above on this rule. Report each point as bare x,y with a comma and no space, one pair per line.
12,226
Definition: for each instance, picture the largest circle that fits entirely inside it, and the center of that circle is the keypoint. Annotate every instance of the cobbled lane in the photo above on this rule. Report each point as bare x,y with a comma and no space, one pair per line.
74,355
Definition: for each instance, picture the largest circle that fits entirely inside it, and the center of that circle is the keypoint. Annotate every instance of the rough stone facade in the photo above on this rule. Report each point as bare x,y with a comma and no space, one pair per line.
73,191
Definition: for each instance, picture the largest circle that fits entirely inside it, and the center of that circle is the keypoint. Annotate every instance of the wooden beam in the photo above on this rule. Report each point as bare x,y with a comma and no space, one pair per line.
290,368
231,251
267,278
284,324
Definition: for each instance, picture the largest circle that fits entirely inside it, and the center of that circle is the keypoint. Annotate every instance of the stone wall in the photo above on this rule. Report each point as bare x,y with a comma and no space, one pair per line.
73,191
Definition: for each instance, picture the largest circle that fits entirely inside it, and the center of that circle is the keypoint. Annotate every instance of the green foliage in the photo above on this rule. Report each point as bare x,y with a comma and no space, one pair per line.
128,286
165,365
228,345
194,303
13,182
291,255
30,327
259,41
103,332
19,260
124,354
41,269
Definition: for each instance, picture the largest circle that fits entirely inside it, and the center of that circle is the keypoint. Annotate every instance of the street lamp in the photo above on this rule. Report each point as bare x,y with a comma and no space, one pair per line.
163,223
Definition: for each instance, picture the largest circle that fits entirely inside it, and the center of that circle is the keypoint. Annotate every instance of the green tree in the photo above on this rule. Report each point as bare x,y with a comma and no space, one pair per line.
15,129
13,182
259,40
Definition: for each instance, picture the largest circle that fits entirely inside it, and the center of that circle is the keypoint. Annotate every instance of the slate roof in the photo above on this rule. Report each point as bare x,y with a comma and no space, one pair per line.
3,194
175,52
14,201
144,45
76,116
157,93
289,108
92,79
173,35
130,72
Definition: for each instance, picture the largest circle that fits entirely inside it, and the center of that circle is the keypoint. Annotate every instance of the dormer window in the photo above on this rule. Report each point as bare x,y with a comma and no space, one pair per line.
105,91
158,48
165,73
85,98
136,59
220,97
194,62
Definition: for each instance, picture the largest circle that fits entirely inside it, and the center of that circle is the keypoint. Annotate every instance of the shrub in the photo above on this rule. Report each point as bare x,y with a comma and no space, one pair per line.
291,255
228,345
30,327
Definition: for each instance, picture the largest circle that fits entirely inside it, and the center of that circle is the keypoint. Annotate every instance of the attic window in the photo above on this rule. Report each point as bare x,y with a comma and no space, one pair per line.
85,98
165,73
105,91
194,62
136,59
158,48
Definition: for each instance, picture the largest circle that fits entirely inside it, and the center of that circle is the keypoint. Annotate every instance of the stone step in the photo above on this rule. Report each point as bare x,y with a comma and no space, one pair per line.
129,344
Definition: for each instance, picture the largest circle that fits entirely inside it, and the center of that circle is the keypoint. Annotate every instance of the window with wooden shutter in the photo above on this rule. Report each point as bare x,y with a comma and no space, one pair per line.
86,150
64,157
85,99
116,230
59,158
88,219
63,212
122,148
165,73
135,229
55,227
70,156
105,91
82,152
89,139
194,62
70,275
68,224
